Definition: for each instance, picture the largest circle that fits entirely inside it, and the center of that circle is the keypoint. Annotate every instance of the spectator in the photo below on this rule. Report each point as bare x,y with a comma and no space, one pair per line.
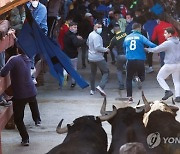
71,44
63,30
130,22
53,8
171,47
39,13
158,34
135,55
84,28
149,27
24,91
96,58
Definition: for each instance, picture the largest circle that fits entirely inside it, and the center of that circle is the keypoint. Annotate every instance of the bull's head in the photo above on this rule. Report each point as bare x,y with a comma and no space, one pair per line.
105,117
156,105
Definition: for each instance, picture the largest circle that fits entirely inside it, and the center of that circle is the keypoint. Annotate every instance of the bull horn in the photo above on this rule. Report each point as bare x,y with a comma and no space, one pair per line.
60,130
147,106
138,103
110,114
103,108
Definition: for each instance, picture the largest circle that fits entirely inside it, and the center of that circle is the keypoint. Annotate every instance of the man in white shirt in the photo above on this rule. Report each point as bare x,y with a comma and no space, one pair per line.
96,58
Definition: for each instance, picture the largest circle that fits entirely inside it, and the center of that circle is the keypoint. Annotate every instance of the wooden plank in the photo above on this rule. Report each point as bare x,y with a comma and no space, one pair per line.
4,83
10,5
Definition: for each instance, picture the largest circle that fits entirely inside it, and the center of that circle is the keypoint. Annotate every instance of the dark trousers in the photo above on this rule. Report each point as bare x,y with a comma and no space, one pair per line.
51,22
149,58
134,67
18,108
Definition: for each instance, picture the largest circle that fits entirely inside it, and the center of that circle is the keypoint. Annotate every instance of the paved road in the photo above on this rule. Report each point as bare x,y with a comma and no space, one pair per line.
67,103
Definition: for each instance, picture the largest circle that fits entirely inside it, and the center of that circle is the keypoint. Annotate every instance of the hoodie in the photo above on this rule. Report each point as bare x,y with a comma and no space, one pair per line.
171,47
22,85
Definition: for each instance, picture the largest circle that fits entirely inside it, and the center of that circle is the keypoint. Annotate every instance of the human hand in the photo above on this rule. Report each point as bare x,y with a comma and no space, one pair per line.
146,49
79,37
107,50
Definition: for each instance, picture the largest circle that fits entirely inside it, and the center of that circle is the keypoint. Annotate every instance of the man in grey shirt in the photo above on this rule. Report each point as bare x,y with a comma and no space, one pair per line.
171,47
96,58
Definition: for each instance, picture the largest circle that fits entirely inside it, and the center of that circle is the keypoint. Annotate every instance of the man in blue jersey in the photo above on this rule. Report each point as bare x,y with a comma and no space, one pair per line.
135,55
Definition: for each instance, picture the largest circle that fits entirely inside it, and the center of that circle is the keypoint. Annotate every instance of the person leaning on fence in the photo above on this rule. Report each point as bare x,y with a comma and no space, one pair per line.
24,91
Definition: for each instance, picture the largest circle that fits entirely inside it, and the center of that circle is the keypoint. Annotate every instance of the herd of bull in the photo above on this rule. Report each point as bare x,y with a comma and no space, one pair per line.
129,125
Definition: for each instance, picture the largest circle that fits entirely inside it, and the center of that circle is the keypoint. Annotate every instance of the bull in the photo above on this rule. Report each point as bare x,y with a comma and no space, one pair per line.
161,118
127,126
84,136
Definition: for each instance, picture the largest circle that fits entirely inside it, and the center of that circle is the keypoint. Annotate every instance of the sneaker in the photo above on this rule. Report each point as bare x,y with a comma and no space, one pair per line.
33,71
177,99
38,123
168,93
138,81
34,81
130,100
149,70
73,85
25,143
91,92
101,91
4,103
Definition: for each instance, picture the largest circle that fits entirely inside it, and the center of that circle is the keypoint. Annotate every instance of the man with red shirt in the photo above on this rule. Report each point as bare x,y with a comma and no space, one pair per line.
158,34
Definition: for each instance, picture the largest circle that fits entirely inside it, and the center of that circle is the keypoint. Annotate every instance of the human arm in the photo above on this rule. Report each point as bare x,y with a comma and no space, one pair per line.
98,44
8,67
160,48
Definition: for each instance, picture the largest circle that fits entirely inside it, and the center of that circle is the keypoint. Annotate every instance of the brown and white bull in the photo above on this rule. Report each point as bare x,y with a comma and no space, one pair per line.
161,118
85,136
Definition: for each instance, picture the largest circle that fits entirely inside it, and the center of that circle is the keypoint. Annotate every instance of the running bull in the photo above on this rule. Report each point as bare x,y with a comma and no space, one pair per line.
84,136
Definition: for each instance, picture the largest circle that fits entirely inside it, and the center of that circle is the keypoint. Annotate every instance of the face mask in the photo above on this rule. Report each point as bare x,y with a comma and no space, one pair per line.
99,30
35,4
128,20
74,31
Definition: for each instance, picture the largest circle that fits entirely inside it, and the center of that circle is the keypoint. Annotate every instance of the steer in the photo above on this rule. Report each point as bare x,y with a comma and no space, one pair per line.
161,119
84,136
127,126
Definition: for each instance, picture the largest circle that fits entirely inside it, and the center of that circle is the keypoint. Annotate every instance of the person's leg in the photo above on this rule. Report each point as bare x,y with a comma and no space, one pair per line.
74,62
102,65
120,61
34,109
141,70
164,72
51,21
18,109
131,69
93,66
176,79
83,56
162,55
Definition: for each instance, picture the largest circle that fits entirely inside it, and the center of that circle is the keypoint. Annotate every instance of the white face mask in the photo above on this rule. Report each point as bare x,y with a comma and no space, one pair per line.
34,4
99,30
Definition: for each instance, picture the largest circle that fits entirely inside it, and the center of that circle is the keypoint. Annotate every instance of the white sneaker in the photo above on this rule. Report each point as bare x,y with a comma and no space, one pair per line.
149,70
33,71
91,92
101,91
34,81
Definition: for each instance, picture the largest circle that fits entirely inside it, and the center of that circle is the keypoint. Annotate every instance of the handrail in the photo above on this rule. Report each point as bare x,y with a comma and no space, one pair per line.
10,4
